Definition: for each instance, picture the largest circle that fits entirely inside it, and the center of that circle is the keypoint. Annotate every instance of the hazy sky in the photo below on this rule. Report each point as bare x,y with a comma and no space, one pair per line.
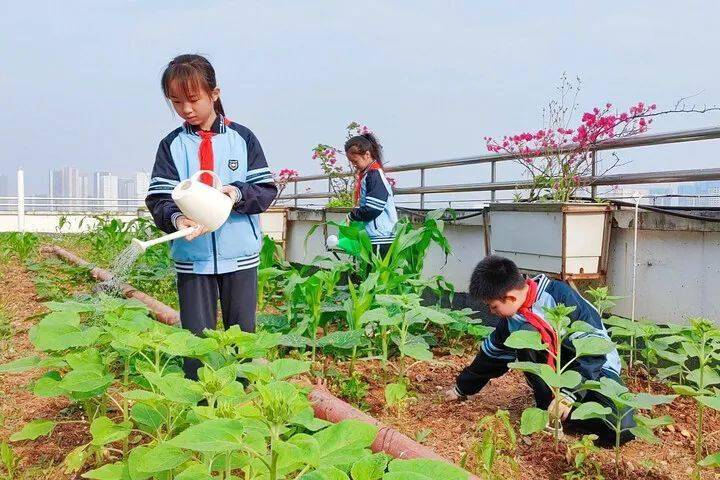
81,79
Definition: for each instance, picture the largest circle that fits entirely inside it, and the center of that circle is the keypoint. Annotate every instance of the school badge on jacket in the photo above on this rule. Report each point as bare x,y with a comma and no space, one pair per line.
233,164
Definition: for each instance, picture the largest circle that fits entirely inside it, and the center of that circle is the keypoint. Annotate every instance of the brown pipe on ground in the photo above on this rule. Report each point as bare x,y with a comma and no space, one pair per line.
326,405
162,312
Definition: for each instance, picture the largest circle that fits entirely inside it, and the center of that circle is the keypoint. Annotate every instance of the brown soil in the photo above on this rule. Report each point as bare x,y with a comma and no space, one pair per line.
453,424
18,405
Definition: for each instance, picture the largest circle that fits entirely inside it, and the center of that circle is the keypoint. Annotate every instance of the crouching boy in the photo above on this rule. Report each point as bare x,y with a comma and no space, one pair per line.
497,282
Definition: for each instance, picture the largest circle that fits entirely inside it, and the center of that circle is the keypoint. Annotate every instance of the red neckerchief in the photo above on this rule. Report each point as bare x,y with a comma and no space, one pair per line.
205,153
547,334
358,181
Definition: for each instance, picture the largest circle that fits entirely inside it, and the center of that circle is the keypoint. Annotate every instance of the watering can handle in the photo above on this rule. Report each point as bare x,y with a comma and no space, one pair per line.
217,183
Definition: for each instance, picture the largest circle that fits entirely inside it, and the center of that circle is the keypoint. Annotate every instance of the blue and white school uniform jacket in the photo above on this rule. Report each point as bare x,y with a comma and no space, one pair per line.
376,207
238,161
494,355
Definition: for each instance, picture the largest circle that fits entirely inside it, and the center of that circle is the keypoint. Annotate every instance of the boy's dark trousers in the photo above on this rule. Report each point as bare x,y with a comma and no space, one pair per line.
480,371
198,296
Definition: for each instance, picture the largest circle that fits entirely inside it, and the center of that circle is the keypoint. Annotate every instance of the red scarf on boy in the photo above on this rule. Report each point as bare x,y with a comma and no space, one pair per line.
547,334
358,181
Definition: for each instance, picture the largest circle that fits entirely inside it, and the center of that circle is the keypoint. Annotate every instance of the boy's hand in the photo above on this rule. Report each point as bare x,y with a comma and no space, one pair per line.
184,222
563,408
452,395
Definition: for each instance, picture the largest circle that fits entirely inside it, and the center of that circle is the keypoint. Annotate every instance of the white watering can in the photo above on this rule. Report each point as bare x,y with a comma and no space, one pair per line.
200,202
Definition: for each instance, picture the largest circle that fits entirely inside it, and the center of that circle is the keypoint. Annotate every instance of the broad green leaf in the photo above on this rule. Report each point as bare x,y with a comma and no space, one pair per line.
589,410
376,315
179,389
676,358
371,467
307,419
430,469
588,346
287,367
197,471
530,367
300,450
671,371
20,365
33,430
104,431
115,471
142,395
326,473
134,458
525,339
416,351
49,385
86,380
293,340
709,377
646,401
533,420
162,458
343,339
219,435
85,359
76,459
435,316
151,416
712,402
395,393
686,390
344,442
710,461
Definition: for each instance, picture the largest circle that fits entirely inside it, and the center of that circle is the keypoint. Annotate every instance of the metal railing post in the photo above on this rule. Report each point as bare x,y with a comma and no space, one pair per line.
422,184
296,200
493,179
593,172
21,200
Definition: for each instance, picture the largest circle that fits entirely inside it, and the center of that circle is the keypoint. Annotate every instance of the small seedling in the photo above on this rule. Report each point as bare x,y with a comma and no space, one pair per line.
495,451
582,456
422,435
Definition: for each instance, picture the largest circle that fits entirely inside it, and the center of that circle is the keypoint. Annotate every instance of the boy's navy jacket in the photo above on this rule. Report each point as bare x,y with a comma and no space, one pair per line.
238,161
492,360
376,207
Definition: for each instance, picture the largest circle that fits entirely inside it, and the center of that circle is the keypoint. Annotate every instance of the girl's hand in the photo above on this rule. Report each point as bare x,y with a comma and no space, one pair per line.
184,222
231,192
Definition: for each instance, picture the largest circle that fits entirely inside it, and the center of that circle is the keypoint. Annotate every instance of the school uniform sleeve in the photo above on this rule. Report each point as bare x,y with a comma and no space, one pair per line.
159,197
491,362
589,367
376,195
257,192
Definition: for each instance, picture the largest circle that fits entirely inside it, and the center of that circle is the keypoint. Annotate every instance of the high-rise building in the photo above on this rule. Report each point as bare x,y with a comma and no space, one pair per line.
109,190
142,183
126,193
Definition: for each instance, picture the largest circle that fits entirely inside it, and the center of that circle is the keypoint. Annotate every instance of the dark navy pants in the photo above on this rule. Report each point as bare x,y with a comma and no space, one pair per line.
199,295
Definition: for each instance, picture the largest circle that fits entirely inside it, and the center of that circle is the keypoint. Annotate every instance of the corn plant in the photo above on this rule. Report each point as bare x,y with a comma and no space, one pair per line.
10,461
21,245
560,375
496,447
624,402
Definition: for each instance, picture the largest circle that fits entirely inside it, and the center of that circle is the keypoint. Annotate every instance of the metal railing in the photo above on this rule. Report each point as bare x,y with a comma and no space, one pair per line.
493,186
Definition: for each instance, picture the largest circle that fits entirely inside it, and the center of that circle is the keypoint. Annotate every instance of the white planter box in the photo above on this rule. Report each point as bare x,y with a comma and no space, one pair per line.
567,240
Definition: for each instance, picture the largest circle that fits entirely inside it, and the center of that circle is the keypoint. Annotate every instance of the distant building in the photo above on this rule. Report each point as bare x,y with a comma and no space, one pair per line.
108,188
127,193
142,183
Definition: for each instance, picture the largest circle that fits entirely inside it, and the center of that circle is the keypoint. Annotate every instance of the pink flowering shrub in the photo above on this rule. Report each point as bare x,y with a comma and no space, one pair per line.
559,155
282,178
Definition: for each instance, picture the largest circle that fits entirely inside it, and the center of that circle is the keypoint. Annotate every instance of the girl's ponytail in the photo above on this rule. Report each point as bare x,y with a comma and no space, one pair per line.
366,142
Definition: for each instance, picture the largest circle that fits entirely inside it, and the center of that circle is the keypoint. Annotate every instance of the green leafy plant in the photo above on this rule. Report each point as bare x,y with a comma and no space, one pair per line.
583,457
561,376
495,451
624,402
602,299
397,396
10,461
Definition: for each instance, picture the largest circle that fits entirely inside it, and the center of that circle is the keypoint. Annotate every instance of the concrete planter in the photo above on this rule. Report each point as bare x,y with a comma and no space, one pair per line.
565,240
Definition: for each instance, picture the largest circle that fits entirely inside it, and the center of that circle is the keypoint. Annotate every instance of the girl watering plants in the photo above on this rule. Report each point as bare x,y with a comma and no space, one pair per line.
375,205
222,263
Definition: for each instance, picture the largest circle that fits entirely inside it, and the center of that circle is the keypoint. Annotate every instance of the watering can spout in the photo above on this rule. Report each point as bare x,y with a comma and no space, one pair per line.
144,245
